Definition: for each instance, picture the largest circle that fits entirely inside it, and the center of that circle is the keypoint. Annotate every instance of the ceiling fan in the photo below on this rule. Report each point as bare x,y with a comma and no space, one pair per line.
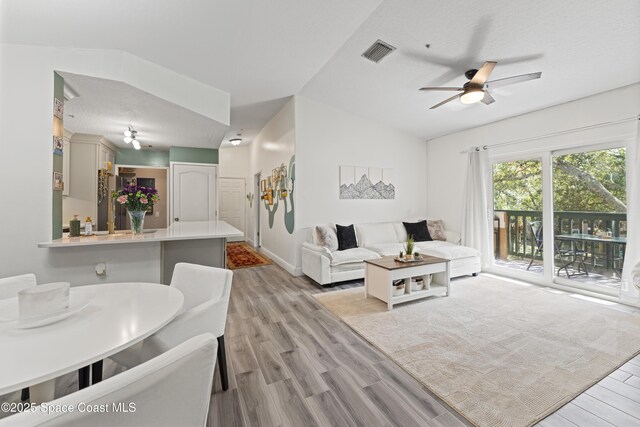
475,90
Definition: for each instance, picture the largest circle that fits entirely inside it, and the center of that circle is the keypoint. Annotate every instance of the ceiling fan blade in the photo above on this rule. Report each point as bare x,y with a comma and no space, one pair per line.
483,73
445,101
442,88
488,99
511,80
421,56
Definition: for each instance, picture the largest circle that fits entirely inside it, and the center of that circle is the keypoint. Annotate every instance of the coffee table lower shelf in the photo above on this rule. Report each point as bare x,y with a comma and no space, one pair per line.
423,293
380,274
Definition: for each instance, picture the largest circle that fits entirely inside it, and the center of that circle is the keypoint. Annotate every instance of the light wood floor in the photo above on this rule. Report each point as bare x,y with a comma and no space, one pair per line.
292,363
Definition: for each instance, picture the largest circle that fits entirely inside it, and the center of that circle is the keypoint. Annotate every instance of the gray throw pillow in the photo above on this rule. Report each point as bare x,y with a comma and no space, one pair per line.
327,237
436,229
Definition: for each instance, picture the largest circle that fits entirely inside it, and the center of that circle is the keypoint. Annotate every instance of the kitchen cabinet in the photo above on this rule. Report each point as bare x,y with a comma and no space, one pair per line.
87,154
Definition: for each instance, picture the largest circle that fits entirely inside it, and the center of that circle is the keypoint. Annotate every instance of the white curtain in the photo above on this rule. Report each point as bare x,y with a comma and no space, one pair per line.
476,216
632,254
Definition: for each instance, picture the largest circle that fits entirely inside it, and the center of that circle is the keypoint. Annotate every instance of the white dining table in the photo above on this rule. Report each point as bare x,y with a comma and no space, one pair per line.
118,316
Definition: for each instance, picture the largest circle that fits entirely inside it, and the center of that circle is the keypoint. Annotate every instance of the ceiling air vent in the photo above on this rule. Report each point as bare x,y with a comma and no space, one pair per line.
378,50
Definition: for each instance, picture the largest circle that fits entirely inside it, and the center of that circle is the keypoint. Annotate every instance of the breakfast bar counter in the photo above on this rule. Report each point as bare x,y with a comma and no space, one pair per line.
177,231
149,256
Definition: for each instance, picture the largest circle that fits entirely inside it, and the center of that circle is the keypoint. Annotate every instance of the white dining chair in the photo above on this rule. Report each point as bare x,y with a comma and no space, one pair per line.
172,389
9,288
206,301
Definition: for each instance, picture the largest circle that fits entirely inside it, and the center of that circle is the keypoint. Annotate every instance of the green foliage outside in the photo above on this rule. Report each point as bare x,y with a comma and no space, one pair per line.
593,181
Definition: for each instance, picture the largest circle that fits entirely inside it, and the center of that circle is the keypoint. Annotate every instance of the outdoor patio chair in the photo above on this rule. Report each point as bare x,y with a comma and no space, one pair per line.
566,257
536,230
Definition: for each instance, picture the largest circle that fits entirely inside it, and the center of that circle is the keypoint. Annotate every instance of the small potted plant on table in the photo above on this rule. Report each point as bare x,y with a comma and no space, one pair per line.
408,248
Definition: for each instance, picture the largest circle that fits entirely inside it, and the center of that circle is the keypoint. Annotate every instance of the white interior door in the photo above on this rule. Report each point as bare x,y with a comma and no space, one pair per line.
193,189
231,202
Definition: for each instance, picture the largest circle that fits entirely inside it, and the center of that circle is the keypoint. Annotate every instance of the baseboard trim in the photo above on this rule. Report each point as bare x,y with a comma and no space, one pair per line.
294,271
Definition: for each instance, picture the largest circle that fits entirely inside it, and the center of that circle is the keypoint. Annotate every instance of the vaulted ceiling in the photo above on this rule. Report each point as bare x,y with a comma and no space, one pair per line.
262,52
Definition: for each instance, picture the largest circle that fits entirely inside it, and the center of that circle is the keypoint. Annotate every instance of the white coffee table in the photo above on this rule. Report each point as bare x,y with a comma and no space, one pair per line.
379,275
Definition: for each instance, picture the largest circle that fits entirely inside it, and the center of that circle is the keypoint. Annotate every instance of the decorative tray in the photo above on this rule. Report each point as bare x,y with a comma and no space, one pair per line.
414,259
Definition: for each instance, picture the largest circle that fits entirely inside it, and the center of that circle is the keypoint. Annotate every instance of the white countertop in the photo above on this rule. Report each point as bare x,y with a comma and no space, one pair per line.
177,231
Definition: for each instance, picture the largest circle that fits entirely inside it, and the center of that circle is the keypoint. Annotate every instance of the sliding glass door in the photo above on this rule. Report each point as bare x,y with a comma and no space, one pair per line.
561,216
590,216
517,215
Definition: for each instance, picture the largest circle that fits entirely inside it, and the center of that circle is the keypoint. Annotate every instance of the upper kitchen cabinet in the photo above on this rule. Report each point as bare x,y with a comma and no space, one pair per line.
87,154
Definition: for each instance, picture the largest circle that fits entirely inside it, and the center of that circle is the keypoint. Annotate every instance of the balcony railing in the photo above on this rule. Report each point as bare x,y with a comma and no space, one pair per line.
513,236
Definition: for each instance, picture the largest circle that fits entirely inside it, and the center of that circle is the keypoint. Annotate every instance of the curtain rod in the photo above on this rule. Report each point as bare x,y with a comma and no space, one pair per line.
562,132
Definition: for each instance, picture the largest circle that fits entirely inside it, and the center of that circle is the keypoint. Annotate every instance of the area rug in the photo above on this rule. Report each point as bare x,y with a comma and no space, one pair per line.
499,353
242,255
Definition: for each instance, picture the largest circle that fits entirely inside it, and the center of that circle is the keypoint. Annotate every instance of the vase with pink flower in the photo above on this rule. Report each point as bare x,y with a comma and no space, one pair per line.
138,201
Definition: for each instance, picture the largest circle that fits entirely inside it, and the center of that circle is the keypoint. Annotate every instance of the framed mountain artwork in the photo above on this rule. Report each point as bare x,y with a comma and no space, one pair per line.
358,182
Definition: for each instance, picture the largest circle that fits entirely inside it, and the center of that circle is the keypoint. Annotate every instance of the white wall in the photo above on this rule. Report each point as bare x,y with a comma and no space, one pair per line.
327,138
26,84
447,166
234,162
274,145
324,138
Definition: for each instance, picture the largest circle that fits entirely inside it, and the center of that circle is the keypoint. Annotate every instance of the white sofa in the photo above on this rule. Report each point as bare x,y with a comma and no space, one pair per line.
375,241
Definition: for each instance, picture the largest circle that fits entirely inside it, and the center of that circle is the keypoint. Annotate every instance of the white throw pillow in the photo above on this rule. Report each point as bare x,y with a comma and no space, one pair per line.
327,237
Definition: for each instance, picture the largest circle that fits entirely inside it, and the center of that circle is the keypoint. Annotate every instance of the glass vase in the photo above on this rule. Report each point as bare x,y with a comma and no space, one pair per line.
137,221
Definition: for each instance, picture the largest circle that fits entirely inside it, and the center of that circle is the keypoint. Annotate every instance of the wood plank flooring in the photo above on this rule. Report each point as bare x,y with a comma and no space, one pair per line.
295,364
292,363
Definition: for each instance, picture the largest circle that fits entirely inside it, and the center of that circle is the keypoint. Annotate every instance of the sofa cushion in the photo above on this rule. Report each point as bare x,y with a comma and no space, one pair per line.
400,231
371,234
352,255
343,268
418,230
320,249
327,237
453,237
446,250
436,229
387,249
346,237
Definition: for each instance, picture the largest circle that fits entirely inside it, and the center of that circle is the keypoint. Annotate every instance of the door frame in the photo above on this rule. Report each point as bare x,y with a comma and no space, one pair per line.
171,165
607,145
541,157
257,236
244,197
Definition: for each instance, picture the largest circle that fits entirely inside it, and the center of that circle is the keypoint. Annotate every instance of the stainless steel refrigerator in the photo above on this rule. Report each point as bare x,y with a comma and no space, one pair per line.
120,213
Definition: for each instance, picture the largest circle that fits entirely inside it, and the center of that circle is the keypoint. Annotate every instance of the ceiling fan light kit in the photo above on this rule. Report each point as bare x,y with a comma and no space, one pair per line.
475,90
472,95
130,137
